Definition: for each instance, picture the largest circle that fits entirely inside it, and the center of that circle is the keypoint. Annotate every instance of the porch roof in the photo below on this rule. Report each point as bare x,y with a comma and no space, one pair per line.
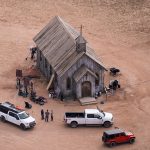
81,72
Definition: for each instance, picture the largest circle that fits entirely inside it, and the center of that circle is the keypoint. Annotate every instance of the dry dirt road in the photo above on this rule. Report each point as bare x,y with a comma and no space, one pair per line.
119,31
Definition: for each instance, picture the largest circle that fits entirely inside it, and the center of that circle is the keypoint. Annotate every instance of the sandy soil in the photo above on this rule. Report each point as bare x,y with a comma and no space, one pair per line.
119,33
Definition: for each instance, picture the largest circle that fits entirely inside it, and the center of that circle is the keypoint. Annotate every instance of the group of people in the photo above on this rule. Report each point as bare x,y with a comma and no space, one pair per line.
45,115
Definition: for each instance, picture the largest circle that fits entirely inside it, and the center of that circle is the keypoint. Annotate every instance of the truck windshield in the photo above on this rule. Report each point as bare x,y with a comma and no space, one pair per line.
23,115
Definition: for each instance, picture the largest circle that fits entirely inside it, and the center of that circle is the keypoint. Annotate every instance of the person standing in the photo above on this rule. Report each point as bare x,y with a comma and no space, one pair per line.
46,116
61,96
33,51
52,117
31,86
42,114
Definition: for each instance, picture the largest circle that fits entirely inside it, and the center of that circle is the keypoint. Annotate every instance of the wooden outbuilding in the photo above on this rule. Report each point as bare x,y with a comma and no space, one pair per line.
67,61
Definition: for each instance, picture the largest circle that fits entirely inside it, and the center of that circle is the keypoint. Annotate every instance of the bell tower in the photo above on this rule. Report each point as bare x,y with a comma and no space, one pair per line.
80,42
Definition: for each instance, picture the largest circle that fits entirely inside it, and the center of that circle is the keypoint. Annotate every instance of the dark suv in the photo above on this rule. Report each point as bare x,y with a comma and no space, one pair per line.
116,136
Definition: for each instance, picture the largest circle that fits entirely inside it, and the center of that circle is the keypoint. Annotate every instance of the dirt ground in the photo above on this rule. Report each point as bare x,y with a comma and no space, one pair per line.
119,31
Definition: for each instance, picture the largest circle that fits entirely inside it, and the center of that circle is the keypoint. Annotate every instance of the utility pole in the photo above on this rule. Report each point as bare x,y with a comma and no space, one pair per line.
81,30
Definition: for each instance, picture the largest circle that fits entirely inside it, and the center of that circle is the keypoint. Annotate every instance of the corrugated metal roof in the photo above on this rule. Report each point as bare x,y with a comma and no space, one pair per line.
81,72
57,41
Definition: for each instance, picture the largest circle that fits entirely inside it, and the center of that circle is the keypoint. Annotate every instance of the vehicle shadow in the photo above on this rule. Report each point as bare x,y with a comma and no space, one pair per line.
15,126
120,145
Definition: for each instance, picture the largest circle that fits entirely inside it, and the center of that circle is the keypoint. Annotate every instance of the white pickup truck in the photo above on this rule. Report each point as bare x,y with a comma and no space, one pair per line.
88,117
8,112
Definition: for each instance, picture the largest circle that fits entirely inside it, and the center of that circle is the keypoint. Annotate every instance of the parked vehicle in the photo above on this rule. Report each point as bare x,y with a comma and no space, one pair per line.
88,117
8,112
116,136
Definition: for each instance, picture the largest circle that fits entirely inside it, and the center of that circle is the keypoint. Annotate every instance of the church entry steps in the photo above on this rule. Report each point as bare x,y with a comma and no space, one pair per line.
87,101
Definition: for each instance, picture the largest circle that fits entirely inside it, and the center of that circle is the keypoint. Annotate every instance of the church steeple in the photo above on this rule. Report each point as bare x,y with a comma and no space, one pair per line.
80,42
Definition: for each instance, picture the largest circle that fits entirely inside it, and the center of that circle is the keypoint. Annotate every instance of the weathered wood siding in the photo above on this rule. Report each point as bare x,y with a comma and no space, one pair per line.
41,65
91,64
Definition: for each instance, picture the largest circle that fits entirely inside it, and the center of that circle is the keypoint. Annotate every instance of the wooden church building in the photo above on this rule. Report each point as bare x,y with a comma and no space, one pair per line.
67,61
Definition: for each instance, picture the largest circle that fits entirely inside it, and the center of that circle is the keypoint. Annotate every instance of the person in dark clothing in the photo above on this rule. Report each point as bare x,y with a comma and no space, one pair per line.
25,90
33,51
52,117
61,96
18,83
31,85
42,114
46,116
